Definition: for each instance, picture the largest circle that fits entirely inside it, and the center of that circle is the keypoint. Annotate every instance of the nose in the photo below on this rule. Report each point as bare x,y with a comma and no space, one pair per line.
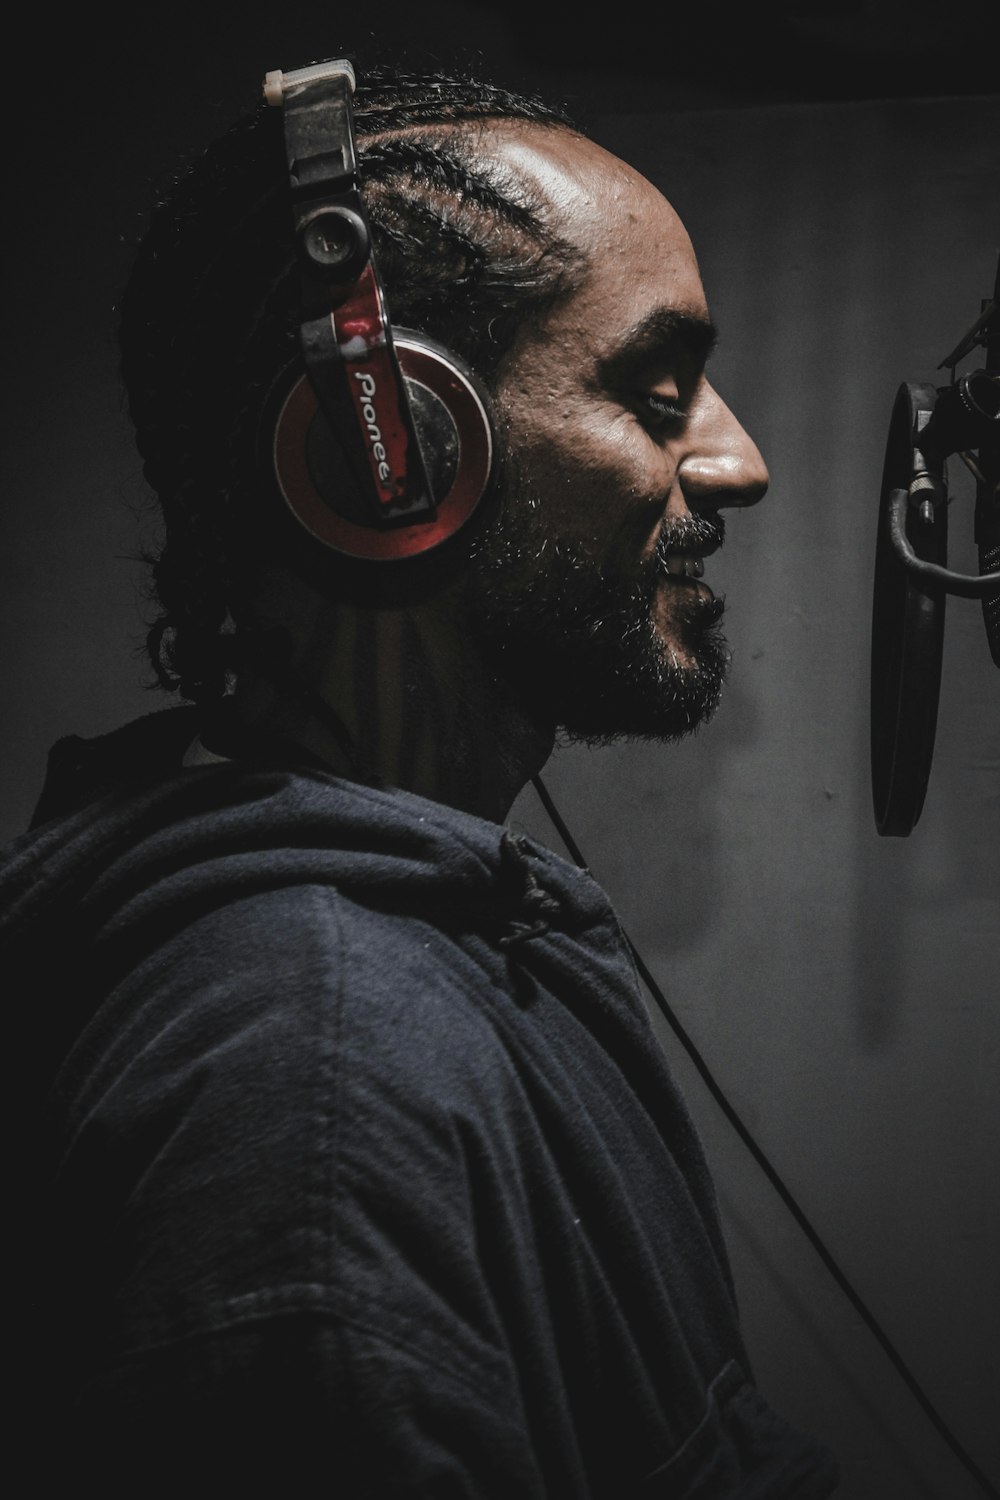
722,465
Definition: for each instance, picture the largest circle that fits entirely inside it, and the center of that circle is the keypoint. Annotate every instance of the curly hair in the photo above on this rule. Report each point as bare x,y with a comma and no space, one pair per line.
209,317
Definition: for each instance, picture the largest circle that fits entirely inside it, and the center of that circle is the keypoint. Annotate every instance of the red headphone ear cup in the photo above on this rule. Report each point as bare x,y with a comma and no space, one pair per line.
452,416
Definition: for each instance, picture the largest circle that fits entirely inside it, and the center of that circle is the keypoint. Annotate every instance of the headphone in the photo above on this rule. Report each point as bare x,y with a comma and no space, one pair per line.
384,448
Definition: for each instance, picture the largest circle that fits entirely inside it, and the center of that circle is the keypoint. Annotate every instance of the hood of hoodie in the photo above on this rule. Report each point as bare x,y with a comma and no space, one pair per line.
125,834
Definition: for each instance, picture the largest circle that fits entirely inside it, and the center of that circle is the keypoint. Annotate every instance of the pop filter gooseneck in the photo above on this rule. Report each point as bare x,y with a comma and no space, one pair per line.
912,579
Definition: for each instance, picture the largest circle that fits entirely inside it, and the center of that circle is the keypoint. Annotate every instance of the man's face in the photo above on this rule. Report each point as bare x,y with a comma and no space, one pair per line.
620,456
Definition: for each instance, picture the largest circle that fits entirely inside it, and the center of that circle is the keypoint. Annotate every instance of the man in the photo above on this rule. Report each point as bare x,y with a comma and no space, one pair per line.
362,1168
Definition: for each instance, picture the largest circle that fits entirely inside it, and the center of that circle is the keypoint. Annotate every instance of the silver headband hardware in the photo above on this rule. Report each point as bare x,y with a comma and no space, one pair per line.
277,84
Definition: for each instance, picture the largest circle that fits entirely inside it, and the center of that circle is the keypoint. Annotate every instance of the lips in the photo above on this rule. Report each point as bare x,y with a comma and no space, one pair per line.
684,544
684,565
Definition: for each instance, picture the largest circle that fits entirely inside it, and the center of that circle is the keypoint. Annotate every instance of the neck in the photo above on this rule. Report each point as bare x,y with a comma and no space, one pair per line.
398,696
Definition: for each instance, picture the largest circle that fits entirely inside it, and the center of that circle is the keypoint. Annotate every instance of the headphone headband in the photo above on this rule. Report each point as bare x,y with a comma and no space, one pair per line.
345,335
276,82
406,467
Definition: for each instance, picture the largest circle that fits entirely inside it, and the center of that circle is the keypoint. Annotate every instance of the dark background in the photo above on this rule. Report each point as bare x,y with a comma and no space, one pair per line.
838,170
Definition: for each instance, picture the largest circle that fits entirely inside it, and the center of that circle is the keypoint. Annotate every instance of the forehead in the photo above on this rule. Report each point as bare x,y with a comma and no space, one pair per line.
638,256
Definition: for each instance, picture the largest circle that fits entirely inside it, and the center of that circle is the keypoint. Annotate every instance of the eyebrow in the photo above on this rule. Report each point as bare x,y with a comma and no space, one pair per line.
662,336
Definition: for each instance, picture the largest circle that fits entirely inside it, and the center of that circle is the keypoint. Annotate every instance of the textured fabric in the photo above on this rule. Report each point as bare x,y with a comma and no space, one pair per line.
361,1170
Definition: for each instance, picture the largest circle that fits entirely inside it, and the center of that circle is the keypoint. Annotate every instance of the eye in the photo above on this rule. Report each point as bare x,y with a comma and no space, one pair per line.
658,412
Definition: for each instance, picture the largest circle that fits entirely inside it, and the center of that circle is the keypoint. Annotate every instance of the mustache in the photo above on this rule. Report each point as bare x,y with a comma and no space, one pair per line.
689,536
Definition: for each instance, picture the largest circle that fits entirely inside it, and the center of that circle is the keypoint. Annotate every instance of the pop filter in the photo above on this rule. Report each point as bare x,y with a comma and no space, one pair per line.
912,579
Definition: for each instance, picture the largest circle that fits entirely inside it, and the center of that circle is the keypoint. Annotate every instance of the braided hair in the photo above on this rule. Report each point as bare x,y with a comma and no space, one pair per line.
209,317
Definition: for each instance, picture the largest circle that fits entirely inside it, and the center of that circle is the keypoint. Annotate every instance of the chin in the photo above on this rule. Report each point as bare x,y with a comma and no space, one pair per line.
662,692
596,657
676,654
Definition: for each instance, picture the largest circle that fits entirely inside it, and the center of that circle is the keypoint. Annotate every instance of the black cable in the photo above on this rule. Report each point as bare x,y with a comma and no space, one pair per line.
770,1172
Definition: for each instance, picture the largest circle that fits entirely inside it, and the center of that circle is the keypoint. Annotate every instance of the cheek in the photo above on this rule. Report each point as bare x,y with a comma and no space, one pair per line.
597,489
591,469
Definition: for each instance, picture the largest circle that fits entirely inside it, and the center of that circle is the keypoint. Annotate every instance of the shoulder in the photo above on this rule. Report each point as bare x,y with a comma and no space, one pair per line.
279,1009
278,1106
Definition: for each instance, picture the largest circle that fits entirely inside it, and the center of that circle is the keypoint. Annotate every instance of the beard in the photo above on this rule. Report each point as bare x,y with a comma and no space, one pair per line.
576,637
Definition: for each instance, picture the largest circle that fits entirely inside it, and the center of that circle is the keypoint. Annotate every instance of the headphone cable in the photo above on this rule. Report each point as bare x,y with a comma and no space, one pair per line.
776,1181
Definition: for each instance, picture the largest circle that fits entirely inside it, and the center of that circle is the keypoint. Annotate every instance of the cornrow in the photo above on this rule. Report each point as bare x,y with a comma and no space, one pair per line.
471,255
209,319
437,167
393,100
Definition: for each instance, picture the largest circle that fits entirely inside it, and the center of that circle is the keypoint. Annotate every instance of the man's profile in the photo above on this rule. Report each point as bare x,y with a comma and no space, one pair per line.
369,1159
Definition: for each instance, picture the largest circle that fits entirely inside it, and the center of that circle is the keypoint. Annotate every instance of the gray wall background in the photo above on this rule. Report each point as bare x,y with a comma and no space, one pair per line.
843,987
